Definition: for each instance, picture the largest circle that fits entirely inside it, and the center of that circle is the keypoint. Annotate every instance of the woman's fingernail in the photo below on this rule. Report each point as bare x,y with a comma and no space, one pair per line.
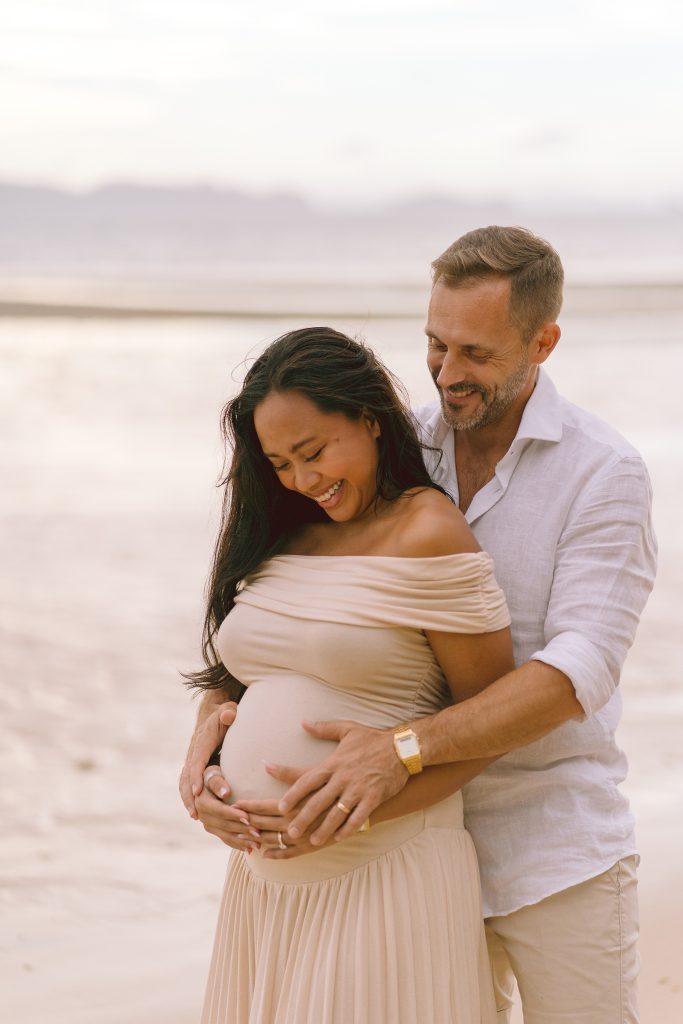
223,792
245,821
255,833
268,766
195,789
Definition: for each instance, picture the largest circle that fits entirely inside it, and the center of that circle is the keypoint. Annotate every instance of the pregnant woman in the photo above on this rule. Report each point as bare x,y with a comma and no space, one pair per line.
345,585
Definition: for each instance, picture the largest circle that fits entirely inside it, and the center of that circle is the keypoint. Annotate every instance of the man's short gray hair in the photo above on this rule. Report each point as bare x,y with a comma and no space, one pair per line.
532,265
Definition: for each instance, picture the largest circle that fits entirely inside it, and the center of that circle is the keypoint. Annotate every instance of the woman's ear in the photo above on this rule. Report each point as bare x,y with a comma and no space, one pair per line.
372,425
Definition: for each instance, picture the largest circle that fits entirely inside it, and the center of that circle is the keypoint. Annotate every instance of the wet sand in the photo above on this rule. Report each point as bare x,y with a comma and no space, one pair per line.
108,457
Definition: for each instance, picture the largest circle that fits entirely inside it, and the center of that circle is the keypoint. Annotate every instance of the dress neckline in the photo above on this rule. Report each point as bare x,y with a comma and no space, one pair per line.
387,558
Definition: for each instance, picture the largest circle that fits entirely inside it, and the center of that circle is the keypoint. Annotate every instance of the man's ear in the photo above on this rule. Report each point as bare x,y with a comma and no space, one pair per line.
543,342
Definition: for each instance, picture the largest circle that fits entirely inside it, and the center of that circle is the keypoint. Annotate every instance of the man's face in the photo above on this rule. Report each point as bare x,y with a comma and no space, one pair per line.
477,358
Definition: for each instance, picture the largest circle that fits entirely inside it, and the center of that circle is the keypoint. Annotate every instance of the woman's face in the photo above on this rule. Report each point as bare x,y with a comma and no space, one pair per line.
325,456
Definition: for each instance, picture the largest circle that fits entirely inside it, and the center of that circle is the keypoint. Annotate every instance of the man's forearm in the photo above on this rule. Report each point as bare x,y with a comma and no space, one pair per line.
517,709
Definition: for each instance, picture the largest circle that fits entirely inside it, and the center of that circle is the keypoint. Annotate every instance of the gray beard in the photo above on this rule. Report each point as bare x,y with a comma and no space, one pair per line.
494,403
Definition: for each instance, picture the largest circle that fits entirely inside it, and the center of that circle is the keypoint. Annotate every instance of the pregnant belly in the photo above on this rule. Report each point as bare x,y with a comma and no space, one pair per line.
268,728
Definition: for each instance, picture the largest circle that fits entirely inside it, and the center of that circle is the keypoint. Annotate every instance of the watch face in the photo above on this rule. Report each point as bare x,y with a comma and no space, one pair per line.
408,746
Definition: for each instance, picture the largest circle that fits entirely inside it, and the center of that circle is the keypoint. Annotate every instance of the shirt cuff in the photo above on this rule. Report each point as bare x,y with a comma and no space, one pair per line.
585,666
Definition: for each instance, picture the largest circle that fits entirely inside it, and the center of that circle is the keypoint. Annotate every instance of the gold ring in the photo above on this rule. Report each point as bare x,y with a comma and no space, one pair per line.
343,808
280,841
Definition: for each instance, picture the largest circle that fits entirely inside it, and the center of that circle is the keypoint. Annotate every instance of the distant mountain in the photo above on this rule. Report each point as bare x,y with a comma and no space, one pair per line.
197,233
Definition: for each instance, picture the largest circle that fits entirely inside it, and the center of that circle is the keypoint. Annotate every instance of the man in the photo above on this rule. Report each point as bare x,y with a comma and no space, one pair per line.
562,503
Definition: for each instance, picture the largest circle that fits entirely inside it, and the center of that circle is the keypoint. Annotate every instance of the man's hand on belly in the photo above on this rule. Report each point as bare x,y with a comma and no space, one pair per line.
361,774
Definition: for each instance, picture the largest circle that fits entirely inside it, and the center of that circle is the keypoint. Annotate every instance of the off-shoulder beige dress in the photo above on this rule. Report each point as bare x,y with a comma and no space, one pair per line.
385,927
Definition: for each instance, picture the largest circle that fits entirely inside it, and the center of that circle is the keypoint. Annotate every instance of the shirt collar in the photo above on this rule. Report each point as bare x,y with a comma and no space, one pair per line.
542,416
541,421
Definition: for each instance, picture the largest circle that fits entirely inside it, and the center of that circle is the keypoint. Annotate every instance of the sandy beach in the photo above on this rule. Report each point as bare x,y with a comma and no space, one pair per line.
109,454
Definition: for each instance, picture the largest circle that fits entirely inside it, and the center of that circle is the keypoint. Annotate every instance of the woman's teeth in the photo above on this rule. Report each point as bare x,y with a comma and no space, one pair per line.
328,494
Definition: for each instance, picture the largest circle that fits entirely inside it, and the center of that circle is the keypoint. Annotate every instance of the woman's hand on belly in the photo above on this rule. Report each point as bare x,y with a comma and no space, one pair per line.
249,825
209,733
229,824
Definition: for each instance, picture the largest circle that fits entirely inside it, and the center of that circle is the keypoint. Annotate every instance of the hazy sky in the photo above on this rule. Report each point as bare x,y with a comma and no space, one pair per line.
348,100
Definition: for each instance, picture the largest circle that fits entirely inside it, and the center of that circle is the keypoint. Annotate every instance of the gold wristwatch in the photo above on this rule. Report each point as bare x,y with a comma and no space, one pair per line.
407,748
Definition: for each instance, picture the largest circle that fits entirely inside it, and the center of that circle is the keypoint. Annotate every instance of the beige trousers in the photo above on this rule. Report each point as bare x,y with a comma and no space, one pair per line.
573,954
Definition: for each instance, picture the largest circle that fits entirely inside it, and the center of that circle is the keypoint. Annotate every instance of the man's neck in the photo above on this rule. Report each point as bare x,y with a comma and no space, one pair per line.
490,443
477,452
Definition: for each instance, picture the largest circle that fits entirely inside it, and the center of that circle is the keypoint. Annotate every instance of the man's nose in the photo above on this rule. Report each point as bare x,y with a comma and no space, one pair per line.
452,371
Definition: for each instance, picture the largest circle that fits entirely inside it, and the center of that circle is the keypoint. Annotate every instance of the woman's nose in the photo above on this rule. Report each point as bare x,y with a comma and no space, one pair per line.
306,478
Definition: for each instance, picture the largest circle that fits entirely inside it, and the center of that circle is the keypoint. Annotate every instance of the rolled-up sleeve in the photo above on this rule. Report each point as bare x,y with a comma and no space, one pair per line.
604,571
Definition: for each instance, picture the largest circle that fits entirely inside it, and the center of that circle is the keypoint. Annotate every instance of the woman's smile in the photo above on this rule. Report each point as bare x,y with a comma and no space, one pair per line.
326,498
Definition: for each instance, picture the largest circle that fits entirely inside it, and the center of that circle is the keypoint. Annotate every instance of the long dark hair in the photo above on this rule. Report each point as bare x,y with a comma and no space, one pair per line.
338,375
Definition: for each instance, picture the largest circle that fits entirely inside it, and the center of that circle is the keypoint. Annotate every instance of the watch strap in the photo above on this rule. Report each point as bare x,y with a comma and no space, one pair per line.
413,762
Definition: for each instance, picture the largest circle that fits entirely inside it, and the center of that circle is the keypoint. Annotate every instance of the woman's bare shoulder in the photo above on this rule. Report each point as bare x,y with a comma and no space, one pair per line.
432,526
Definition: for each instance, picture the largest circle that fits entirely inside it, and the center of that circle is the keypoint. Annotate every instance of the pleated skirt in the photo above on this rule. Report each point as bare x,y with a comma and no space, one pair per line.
385,928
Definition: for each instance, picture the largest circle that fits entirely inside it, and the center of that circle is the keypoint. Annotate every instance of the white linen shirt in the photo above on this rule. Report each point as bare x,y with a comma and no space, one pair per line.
567,520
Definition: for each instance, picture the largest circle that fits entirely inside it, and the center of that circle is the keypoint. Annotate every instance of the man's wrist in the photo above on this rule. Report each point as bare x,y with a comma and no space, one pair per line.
425,730
407,747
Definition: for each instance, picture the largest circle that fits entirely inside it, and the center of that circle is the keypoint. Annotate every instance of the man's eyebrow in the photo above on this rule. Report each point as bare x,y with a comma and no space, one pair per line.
293,449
